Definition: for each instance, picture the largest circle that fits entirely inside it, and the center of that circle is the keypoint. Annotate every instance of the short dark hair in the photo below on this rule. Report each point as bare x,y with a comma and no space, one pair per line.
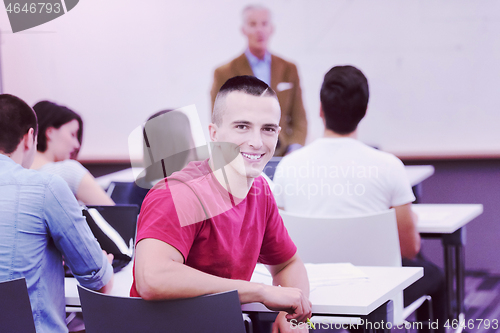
247,84
16,119
344,98
53,115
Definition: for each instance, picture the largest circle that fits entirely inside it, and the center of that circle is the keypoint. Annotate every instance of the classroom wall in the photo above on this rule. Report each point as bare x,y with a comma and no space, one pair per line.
432,65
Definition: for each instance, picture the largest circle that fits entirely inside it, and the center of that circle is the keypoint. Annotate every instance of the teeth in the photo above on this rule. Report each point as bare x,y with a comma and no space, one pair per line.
252,157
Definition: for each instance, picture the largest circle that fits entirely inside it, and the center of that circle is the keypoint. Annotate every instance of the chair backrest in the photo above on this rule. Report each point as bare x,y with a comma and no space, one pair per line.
208,314
15,308
368,240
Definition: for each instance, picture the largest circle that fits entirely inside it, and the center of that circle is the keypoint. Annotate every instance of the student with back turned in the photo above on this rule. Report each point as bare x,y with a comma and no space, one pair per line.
203,229
40,222
346,177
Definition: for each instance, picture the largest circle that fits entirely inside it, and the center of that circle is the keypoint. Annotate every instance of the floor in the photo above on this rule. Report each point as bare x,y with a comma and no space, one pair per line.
482,301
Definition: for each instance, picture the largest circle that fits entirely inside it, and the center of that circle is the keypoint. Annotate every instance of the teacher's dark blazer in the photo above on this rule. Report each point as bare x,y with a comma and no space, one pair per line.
285,82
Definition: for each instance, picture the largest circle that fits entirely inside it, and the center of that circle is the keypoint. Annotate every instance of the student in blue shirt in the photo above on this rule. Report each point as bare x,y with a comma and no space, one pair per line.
40,222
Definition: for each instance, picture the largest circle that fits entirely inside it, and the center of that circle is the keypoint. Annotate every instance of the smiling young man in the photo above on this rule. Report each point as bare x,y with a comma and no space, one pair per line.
203,229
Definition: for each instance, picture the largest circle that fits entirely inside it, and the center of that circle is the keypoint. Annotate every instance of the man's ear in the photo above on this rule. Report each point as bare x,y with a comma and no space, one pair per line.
321,112
212,131
29,140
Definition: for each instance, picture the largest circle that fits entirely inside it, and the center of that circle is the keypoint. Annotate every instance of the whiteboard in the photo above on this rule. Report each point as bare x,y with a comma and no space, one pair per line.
433,66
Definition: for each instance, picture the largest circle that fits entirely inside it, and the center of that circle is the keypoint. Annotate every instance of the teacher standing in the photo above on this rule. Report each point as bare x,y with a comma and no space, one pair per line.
278,73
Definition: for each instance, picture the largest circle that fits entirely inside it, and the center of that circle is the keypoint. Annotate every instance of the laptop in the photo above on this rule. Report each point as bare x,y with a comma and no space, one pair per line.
114,227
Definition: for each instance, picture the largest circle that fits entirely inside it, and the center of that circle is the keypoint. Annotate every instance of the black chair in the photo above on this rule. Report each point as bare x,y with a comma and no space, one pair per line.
205,314
15,307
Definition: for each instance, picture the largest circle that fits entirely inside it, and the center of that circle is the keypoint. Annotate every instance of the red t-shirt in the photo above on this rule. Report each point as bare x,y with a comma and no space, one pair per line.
215,232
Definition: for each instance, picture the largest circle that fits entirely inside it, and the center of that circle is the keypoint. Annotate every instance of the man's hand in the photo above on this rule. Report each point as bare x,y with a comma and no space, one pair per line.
281,325
110,256
109,286
291,300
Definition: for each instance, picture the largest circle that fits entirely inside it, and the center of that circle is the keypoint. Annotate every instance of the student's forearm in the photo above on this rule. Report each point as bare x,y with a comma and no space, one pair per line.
161,274
90,193
293,275
106,289
175,280
409,238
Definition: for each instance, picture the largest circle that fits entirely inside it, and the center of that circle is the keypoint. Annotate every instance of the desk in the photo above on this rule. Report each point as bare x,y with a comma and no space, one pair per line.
359,298
125,175
367,298
418,173
121,286
447,222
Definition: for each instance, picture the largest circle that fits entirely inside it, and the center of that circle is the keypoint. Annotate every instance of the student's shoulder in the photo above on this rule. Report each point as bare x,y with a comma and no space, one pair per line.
303,154
382,157
67,167
383,154
72,164
194,174
51,184
37,177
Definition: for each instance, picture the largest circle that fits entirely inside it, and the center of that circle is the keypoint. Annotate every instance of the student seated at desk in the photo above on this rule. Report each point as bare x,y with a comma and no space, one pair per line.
203,229
41,221
168,147
59,140
338,175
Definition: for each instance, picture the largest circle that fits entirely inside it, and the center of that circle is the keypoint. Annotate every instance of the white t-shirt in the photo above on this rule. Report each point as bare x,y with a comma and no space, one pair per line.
340,177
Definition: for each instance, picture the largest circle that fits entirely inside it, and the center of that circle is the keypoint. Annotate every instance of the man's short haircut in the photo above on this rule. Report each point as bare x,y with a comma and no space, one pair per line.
16,118
53,115
344,98
247,84
254,7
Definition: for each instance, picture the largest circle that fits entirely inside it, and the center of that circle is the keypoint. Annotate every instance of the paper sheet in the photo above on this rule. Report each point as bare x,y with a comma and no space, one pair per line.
319,274
333,274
